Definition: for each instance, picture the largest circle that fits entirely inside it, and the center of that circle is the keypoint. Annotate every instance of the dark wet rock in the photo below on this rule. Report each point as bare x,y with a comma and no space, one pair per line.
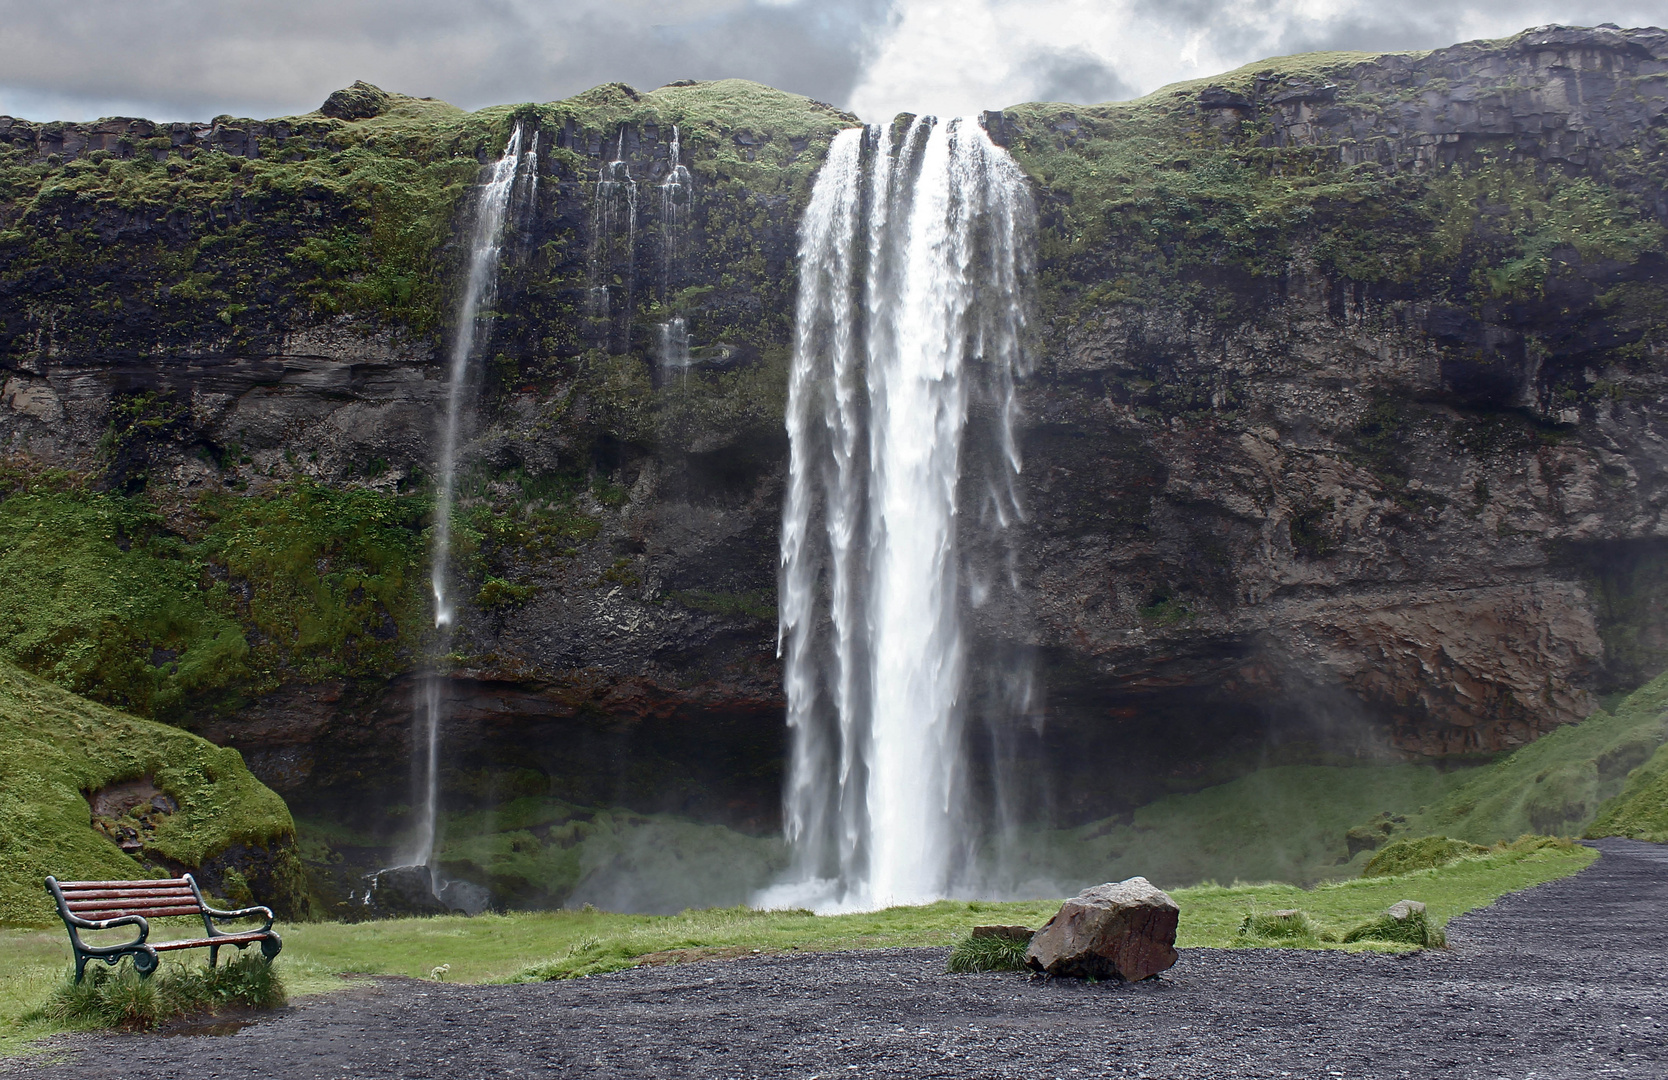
403,891
465,896
1125,930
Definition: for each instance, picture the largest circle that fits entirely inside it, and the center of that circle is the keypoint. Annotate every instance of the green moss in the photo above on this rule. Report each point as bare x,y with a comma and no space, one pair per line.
1556,784
1401,856
59,746
750,604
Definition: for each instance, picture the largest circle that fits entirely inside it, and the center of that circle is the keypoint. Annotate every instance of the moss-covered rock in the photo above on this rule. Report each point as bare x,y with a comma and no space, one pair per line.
211,815
1424,853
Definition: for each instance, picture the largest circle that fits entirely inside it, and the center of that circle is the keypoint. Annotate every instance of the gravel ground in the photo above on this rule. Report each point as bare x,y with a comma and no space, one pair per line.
1565,980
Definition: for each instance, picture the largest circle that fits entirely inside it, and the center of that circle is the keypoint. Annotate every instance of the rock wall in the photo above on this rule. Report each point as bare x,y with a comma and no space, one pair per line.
1345,433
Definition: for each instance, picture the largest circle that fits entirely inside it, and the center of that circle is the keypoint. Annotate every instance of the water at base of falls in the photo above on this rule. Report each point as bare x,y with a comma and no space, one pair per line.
512,184
914,255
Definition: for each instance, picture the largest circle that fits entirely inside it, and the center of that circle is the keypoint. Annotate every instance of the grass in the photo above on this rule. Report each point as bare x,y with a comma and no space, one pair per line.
120,998
533,946
987,954
58,746
1286,823
1559,783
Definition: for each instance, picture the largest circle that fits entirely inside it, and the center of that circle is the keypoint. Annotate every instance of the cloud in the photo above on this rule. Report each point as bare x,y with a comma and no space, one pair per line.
192,59
961,56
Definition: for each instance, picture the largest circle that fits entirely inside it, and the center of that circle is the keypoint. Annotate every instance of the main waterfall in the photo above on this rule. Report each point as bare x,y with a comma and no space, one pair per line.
914,256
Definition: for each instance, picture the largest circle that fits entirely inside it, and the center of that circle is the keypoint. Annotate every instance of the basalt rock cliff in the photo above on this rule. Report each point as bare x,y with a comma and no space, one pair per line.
1344,433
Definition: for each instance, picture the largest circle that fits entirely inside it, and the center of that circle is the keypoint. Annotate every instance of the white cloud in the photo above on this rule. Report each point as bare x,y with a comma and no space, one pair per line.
960,56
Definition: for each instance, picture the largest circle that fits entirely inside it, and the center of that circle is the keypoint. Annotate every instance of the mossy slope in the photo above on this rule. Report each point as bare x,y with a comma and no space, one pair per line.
1558,784
59,746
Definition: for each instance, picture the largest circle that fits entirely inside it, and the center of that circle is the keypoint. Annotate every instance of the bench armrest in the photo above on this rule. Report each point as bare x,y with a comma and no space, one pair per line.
215,913
241,913
76,922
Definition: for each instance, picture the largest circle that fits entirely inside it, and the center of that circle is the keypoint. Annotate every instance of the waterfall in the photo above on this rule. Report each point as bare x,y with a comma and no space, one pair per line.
616,199
498,197
911,309
674,216
674,347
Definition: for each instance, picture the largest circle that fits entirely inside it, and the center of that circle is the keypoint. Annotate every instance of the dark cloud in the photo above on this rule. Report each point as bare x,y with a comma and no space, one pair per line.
1078,76
182,59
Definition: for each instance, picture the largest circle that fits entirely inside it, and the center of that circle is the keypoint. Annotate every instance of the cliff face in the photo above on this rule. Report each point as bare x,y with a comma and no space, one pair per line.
1345,431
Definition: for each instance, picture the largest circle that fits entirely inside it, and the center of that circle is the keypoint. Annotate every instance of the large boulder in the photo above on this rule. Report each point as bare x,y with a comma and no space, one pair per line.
1125,929
401,892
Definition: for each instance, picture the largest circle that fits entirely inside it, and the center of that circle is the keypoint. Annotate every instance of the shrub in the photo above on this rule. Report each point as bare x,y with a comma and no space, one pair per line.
1424,853
120,998
1413,930
1289,926
987,954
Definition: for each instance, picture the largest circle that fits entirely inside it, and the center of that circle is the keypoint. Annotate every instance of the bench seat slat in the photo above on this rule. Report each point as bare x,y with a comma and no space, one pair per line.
194,943
98,894
99,914
140,883
152,900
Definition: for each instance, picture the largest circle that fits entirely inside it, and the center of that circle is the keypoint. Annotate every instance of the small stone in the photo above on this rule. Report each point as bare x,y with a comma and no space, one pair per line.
1125,929
1403,910
1008,933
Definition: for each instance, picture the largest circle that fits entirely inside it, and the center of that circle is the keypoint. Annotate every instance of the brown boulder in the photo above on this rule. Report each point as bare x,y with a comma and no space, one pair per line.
1125,929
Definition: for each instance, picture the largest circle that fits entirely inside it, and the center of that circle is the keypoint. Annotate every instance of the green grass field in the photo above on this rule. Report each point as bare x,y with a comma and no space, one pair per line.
558,944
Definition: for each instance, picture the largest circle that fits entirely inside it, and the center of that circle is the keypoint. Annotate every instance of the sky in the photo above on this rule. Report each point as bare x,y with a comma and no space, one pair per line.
194,59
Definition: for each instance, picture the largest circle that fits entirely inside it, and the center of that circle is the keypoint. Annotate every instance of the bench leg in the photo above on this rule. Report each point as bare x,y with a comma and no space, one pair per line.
214,955
80,966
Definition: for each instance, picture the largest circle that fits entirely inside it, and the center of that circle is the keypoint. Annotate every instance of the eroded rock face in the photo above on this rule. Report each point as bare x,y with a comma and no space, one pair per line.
1124,930
1362,517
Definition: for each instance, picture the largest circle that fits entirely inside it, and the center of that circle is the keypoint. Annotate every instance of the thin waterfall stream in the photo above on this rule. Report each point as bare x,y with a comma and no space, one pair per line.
914,257
513,182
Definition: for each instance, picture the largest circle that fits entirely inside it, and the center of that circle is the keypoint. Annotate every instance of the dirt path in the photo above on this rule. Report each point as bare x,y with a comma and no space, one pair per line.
1565,980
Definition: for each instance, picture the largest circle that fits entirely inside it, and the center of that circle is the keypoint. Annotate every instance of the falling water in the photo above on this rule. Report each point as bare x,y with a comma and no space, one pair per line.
497,198
674,216
616,199
912,276
674,347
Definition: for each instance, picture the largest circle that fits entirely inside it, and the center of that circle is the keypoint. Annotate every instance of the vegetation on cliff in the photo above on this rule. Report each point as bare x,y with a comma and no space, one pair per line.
62,749
175,612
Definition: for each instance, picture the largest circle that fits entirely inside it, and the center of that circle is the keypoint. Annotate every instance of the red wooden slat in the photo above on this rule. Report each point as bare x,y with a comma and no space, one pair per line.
114,894
69,886
165,899
100,914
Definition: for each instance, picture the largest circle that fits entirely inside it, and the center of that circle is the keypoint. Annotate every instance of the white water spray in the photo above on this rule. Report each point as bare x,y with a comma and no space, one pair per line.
912,276
615,203
513,183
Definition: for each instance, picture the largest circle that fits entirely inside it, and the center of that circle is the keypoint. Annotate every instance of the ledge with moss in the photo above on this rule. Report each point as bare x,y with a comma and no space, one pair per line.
209,815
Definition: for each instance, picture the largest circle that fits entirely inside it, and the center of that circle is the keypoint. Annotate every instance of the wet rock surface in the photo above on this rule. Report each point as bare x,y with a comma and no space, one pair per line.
1558,981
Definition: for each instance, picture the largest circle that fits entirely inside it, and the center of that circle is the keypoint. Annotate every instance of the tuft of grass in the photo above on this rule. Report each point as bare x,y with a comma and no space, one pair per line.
1416,930
120,998
987,954
1285,926
1402,856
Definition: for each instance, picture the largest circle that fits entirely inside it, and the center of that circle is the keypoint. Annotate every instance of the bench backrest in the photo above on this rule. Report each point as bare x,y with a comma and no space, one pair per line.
96,901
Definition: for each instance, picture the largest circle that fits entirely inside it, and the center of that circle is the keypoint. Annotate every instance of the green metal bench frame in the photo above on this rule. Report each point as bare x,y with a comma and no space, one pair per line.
102,905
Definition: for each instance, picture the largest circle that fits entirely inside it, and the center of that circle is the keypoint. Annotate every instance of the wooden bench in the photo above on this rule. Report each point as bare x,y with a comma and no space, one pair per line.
101,905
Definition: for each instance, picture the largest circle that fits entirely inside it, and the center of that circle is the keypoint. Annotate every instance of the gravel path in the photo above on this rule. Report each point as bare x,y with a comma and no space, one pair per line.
1565,980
